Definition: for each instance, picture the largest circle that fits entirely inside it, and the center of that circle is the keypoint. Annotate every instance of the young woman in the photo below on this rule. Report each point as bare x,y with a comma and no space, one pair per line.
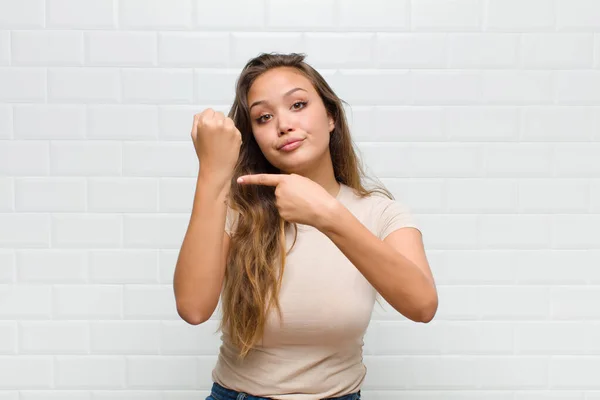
306,247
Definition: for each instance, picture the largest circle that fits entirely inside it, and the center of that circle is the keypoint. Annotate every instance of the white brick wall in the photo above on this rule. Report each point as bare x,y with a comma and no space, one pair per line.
482,115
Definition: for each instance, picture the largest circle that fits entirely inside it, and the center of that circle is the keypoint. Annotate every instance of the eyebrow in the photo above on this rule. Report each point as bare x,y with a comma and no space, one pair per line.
285,95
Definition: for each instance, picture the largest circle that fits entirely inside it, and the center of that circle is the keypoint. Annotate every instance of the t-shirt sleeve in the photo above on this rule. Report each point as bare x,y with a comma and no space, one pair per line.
392,215
231,221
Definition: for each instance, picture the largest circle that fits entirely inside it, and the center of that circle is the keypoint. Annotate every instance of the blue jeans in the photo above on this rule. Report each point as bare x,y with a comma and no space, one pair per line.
220,393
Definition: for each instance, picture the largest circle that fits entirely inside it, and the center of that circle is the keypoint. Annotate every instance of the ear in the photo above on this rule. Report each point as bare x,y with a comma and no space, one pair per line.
331,124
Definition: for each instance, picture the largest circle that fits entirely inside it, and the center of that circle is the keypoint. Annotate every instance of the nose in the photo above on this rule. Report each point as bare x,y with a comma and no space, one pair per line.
284,124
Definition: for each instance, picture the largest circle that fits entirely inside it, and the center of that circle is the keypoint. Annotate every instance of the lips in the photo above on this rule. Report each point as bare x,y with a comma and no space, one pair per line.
289,141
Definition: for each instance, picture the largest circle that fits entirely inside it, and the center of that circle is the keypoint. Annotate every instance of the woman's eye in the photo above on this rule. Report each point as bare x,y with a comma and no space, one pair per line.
260,119
303,103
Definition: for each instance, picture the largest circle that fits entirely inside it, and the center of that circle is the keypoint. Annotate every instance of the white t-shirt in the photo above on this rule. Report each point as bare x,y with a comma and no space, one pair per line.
326,305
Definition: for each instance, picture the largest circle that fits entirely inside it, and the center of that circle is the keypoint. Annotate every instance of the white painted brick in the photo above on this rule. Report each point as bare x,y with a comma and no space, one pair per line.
597,50
305,14
425,160
576,231
438,395
421,195
157,86
454,15
49,194
129,394
578,15
514,302
4,47
230,14
214,86
446,87
26,372
8,337
6,122
55,395
577,87
176,122
122,122
495,123
419,372
520,15
121,49
155,14
548,267
247,45
553,395
7,195
451,231
367,87
22,85
337,50
574,302
7,266
162,231
47,48
571,372
193,49
82,14
512,372
561,51
52,266
25,302
545,337
162,372
594,195
474,267
361,120
24,230
527,160
54,337
557,123
149,302
122,194
85,372
49,121
576,160
553,196
181,338
458,303
21,14
85,158
87,302
483,50
481,195
515,231
176,195
125,337
162,160
86,230
485,337
83,85
517,87
378,14
123,266
167,259
411,50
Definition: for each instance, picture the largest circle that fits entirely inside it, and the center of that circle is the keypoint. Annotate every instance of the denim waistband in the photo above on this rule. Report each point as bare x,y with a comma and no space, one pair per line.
221,393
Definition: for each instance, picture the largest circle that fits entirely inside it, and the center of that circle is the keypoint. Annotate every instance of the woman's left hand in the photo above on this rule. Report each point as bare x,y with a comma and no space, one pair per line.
299,199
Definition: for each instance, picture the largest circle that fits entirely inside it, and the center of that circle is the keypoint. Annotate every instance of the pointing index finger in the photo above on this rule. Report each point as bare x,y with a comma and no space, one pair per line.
261,179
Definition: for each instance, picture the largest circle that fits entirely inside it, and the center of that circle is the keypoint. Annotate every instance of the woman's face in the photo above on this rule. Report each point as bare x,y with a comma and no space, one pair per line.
285,107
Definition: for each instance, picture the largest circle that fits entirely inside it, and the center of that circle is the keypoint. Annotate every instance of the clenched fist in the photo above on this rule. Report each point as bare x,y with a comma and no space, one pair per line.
217,142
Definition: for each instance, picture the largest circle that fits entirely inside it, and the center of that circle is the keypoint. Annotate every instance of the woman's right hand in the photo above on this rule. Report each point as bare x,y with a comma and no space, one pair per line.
217,142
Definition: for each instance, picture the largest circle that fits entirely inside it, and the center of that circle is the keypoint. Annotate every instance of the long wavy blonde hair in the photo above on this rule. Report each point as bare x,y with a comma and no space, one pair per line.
257,254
